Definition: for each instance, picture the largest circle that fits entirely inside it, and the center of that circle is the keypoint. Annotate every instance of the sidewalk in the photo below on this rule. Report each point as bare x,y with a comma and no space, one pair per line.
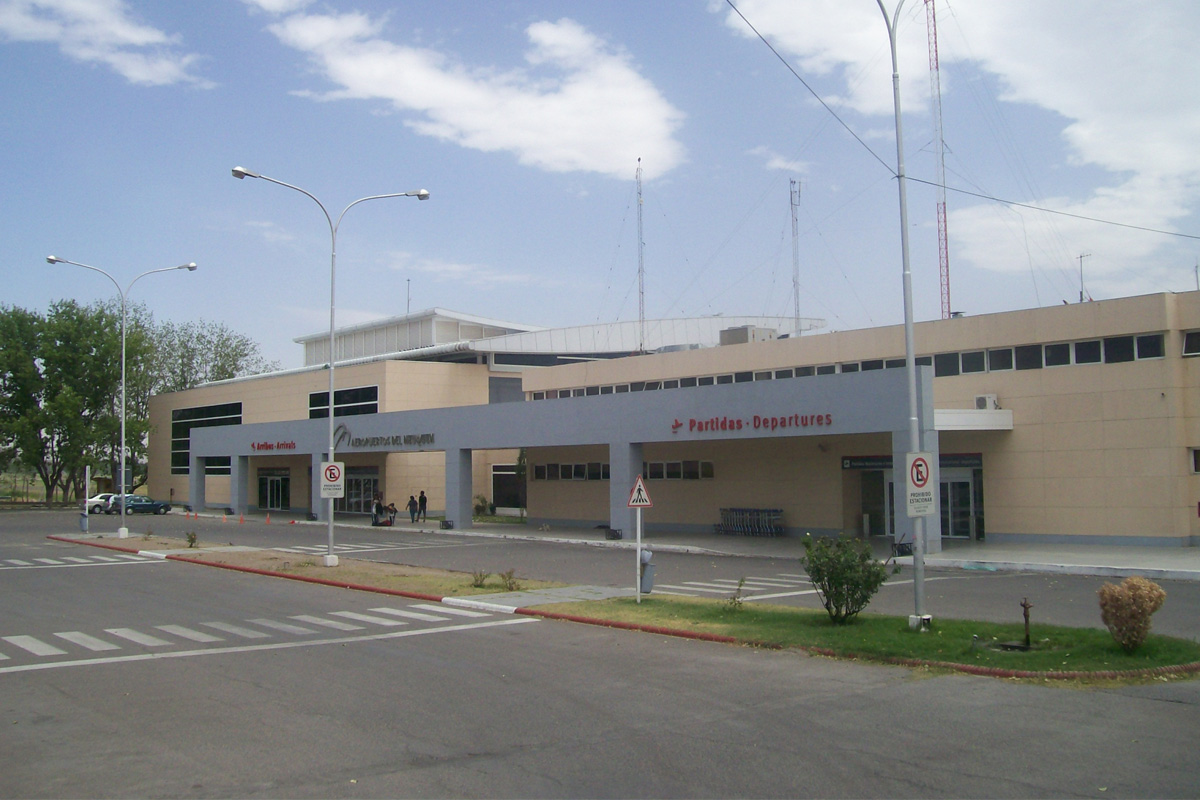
1156,563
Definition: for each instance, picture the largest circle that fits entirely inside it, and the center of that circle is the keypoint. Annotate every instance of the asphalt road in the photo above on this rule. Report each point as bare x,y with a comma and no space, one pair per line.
279,701
952,593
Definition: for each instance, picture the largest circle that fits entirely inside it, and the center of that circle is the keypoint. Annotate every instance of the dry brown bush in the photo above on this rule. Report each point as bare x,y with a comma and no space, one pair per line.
1126,609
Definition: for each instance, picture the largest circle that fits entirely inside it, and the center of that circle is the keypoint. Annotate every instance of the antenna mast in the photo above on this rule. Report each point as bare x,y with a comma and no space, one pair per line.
641,269
935,95
1082,256
795,200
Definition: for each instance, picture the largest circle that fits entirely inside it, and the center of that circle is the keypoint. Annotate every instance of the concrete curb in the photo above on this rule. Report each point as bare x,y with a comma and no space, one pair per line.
464,602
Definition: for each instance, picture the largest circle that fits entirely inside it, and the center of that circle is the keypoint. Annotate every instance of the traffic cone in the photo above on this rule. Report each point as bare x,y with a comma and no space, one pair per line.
241,518
268,517
222,518
291,522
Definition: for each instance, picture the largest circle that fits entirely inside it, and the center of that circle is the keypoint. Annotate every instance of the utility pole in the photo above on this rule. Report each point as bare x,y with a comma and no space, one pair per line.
1082,256
641,268
795,198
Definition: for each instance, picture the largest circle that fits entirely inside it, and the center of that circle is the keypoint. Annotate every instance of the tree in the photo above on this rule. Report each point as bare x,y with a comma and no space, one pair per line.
190,353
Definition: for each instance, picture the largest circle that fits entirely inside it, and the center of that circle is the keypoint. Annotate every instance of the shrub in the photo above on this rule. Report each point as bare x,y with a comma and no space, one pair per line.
479,578
845,574
509,581
1126,610
481,505
191,538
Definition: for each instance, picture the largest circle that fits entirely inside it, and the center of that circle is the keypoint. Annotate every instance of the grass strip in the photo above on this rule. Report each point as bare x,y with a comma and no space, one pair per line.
1055,649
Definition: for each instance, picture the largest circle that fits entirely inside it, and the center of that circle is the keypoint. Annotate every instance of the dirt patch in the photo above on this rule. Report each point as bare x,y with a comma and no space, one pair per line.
350,571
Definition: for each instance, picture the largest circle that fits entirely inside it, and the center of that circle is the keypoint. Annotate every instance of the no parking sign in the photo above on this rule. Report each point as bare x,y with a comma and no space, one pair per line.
333,479
920,491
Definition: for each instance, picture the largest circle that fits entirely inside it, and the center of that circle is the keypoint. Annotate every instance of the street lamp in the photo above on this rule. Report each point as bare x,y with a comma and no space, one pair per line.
123,532
330,559
910,362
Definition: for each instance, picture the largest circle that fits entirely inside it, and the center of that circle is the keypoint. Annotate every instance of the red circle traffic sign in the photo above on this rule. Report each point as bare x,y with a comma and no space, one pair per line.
919,473
332,473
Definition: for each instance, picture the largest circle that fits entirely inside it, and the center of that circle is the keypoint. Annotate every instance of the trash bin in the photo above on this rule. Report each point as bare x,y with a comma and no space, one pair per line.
83,520
647,582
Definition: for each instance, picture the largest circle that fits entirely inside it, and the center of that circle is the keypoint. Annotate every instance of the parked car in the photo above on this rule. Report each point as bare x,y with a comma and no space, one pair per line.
137,504
99,503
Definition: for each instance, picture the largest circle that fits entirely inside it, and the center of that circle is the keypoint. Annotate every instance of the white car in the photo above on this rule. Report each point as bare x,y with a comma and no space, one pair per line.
99,503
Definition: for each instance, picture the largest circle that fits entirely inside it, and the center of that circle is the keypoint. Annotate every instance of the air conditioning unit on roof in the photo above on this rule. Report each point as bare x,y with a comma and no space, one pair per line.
988,402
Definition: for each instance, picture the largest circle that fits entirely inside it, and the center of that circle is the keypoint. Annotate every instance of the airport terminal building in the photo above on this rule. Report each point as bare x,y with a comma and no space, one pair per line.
1076,423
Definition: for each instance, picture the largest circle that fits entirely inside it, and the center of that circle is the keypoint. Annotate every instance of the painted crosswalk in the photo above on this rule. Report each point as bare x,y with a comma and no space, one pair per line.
76,561
20,652
751,587
371,547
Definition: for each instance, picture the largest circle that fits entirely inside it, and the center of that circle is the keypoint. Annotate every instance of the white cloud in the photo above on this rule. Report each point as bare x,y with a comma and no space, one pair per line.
1123,82
776,161
473,275
103,32
577,105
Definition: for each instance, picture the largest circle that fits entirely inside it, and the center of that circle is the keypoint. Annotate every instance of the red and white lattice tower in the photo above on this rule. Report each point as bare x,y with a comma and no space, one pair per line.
935,95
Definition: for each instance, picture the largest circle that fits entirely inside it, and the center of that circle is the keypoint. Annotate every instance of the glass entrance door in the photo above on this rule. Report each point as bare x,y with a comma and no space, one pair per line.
360,494
274,492
958,512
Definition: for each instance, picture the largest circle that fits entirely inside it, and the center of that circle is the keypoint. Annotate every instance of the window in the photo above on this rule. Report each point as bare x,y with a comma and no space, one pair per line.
1191,343
876,363
347,402
652,386
826,369
850,367
1000,359
1195,454
592,390
725,379
691,470
622,388
655,470
764,376
687,383
552,472
539,472
677,470
743,377
895,363
674,470
706,469
593,471
1029,356
1087,352
183,420
784,373
945,364
1150,346
606,390
1058,355
673,384
637,386
580,472
1118,349
805,372
577,392
974,361
707,380
539,395
924,361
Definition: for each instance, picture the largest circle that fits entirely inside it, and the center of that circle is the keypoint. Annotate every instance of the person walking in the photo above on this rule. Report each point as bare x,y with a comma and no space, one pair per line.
412,508
422,503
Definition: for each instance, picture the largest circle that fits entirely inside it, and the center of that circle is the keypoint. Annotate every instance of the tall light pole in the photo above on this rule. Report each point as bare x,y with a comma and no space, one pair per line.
123,532
330,559
910,361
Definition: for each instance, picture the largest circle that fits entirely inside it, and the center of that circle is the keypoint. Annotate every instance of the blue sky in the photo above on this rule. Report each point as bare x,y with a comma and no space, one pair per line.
526,120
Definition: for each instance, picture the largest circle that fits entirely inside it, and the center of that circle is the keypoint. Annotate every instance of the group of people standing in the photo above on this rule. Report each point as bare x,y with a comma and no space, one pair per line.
416,507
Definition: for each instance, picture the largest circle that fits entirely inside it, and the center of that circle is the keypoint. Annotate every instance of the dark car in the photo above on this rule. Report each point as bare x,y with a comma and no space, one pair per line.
137,504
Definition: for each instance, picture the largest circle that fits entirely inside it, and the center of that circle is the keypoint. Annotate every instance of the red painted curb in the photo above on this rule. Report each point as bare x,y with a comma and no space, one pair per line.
970,669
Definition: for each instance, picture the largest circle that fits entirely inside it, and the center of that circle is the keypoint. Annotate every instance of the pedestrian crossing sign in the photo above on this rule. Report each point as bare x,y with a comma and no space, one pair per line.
639,497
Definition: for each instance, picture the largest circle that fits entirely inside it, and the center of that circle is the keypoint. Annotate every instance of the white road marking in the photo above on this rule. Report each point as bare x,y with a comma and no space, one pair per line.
18,562
677,587
236,630
77,559
327,623
36,646
367,618
137,637
410,614
188,633
282,626
90,642
48,560
273,646
462,612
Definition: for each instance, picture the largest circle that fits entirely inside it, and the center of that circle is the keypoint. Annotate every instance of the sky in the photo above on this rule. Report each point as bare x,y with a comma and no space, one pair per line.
528,122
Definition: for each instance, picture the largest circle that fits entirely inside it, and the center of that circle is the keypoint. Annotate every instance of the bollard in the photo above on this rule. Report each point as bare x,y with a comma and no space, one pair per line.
83,521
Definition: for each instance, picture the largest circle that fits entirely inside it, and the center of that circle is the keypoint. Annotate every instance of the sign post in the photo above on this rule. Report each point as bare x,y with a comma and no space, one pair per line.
333,486
919,501
639,498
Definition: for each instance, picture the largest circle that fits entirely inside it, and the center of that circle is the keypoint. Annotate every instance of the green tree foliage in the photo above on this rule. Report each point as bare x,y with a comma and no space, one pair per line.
60,383
190,353
845,574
